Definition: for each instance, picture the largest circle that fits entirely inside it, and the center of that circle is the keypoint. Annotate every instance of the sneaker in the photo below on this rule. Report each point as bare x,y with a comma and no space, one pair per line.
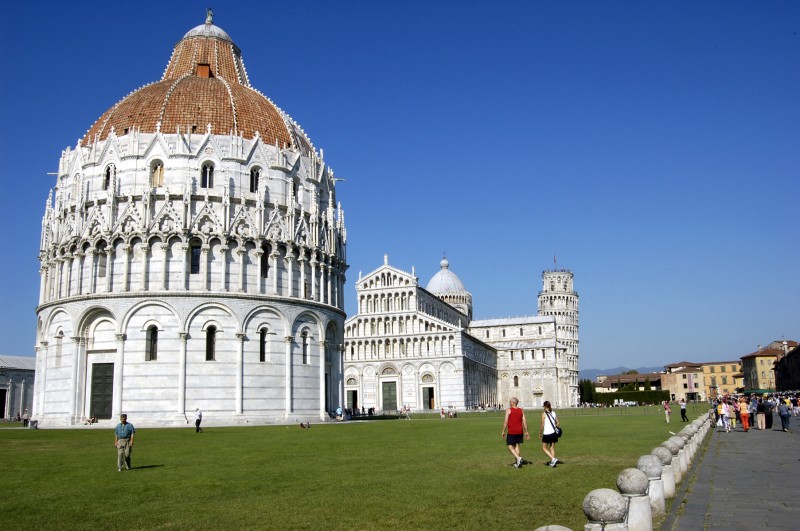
119,470
518,463
554,462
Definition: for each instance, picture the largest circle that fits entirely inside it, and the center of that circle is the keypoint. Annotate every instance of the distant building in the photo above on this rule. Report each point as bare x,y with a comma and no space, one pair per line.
684,380
16,385
415,346
722,377
787,370
759,366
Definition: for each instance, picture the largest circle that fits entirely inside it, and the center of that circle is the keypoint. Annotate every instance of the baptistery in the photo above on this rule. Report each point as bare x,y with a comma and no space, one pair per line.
192,257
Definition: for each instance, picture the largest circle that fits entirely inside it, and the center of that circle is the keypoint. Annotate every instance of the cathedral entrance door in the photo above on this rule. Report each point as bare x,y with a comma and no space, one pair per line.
102,390
428,400
389,395
352,399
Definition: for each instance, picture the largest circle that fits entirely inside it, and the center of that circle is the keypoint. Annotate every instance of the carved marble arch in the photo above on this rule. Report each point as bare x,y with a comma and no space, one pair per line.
427,378
351,380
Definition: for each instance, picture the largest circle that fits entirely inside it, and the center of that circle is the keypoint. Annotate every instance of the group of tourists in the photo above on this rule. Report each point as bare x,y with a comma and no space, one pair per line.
515,430
755,411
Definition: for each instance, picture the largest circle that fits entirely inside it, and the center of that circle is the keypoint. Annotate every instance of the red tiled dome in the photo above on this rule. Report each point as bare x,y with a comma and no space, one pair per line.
204,83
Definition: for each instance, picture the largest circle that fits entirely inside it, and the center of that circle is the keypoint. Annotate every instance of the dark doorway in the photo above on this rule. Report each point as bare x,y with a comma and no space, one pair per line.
352,399
389,396
327,391
3,403
428,400
102,390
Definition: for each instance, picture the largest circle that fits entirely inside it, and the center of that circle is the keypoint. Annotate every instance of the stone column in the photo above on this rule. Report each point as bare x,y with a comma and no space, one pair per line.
186,253
145,262
164,248
241,251
119,361
223,251
240,372
301,264
274,257
92,253
70,263
204,267
40,387
288,260
79,272
110,252
340,376
42,285
314,288
126,267
328,287
323,348
59,264
262,282
182,374
74,384
288,340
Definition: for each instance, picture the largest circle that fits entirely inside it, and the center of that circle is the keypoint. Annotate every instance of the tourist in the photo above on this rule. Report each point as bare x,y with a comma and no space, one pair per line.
783,411
752,409
768,407
515,427
684,418
724,412
548,433
744,413
25,418
760,414
667,410
123,441
733,413
198,418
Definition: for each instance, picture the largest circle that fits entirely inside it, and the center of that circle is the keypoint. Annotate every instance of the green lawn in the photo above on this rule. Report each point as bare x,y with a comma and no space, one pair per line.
423,473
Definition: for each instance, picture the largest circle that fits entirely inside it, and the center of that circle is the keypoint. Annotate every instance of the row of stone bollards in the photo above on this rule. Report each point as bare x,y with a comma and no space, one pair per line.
643,490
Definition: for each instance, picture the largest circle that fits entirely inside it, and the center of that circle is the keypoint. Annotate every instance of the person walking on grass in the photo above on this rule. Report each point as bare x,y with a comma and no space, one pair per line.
123,441
549,433
515,428
684,418
198,418
667,410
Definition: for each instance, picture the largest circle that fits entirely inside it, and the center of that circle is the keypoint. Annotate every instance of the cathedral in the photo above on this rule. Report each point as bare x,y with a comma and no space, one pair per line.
192,256
420,348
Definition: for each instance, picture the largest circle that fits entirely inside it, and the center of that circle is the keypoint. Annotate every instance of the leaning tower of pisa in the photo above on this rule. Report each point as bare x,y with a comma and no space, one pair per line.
559,299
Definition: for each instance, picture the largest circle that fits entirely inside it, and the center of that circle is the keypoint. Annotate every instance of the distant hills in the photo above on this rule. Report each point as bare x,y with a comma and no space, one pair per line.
592,374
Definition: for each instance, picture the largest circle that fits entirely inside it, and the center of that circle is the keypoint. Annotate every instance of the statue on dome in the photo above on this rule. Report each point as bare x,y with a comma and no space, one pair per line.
209,16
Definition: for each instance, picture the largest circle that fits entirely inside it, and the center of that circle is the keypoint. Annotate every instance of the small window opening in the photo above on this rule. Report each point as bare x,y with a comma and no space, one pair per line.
211,343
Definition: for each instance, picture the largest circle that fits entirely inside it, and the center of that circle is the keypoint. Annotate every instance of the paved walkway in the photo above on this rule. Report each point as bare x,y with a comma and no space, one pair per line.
742,481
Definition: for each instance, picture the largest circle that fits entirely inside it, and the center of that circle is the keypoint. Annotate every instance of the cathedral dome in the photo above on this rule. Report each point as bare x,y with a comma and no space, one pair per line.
205,84
445,281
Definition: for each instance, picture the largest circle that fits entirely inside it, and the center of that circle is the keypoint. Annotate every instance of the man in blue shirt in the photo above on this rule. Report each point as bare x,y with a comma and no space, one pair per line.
123,441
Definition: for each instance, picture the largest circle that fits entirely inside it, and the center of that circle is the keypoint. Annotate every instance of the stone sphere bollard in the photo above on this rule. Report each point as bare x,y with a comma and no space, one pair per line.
605,509
651,466
676,468
667,474
682,461
633,484
553,528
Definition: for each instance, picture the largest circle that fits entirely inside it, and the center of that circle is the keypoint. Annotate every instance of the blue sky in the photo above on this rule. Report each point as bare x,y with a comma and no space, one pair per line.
652,147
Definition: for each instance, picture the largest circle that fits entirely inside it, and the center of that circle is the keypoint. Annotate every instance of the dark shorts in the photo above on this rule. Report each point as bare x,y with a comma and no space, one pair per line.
515,439
550,438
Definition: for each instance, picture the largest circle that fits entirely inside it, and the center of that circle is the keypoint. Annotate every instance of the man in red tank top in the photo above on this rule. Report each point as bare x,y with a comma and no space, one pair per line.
515,428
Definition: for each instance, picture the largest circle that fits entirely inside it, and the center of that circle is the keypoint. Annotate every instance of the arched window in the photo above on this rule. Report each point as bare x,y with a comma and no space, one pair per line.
156,174
262,345
151,353
352,381
207,175
304,340
101,260
211,343
107,176
196,252
516,381
264,266
255,175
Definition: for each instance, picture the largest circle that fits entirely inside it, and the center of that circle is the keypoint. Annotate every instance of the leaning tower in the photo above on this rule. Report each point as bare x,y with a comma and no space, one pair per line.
559,299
